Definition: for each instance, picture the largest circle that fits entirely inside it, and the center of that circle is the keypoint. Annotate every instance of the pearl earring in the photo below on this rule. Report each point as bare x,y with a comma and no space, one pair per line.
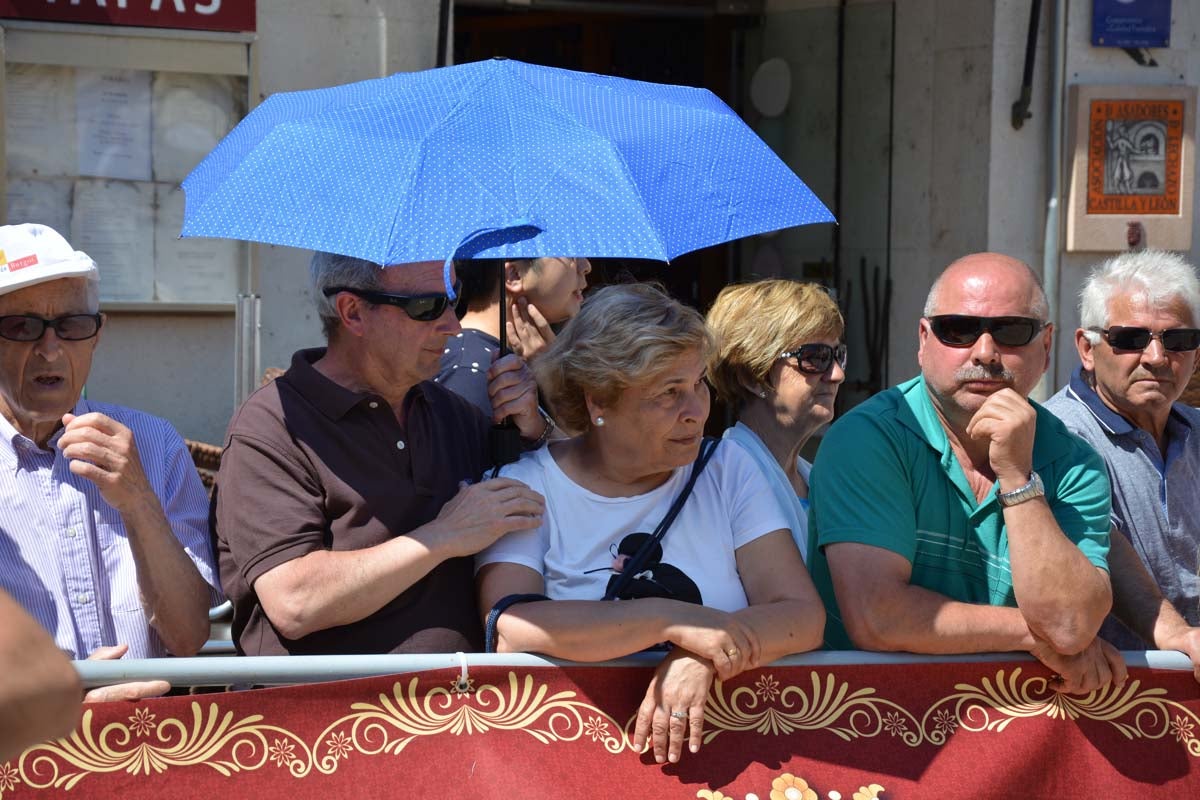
599,422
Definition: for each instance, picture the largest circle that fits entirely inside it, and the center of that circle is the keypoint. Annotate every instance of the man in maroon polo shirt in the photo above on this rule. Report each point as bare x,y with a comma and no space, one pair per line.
342,520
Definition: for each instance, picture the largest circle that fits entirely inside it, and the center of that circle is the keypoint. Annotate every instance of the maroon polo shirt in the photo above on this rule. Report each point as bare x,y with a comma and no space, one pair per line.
310,465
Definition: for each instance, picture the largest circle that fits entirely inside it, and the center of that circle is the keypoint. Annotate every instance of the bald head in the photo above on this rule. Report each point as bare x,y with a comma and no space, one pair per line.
978,271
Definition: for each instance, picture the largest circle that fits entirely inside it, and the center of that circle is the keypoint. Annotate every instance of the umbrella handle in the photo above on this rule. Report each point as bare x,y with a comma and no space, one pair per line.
504,444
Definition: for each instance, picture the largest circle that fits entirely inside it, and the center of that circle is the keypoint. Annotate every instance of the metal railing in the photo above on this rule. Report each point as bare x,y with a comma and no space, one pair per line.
282,670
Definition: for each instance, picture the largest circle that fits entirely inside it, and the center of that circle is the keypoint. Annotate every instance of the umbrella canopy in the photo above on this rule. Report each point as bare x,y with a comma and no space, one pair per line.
495,159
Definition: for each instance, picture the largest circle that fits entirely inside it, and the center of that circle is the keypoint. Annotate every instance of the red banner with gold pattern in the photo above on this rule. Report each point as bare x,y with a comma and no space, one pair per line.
938,730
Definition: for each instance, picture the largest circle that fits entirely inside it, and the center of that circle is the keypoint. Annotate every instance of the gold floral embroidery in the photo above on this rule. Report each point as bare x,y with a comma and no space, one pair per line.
339,746
282,752
596,728
894,724
993,705
944,723
9,777
146,743
142,721
767,688
828,705
1182,729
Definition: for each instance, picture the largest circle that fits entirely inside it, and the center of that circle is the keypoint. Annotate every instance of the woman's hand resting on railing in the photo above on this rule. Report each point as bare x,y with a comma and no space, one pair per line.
731,646
673,708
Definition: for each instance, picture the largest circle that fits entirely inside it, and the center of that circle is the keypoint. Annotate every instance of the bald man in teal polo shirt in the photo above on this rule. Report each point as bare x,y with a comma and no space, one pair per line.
952,515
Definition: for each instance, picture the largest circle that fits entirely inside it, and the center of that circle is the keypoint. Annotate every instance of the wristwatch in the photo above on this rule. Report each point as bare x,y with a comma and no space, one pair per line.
1035,488
550,426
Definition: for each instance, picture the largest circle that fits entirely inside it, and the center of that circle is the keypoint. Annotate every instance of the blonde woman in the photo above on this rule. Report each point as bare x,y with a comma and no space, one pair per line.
779,363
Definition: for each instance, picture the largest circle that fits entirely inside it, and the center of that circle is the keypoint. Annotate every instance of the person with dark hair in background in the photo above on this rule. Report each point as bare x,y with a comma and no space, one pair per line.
538,292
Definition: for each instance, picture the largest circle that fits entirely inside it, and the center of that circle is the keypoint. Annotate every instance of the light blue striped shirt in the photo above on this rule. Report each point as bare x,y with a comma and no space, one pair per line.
64,553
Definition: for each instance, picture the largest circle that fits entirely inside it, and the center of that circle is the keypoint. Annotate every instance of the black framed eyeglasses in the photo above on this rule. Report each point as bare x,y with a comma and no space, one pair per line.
30,328
1125,337
817,358
419,307
962,330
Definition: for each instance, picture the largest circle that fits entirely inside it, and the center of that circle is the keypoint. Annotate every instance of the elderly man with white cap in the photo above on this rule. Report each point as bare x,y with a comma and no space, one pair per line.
103,519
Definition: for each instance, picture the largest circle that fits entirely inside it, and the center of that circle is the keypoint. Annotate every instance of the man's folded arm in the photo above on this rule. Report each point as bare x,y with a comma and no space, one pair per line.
882,611
1062,595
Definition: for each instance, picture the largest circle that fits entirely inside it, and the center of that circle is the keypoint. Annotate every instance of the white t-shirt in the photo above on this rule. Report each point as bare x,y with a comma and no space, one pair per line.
582,532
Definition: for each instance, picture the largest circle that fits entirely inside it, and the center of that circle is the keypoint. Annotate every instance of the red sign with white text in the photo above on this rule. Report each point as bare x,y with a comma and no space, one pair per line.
205,15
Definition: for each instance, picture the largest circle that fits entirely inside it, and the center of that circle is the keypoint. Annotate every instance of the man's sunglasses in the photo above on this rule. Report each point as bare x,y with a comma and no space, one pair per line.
1177,340
817,358
28,328
420,307
960,330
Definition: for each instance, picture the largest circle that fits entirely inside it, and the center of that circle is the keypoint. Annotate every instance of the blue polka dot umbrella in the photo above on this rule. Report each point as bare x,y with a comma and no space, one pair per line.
495,159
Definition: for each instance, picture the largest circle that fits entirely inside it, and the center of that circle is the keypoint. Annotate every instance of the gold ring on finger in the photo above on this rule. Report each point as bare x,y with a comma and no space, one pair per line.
731,652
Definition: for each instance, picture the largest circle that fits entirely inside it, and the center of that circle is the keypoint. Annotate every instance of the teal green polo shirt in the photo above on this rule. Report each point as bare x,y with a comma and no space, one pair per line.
885,475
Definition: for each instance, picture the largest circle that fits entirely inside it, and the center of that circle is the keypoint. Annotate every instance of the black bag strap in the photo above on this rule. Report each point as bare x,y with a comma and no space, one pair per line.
634,565
502,605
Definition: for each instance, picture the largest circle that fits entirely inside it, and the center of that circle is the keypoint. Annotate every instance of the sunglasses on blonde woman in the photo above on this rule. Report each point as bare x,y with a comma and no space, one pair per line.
817,358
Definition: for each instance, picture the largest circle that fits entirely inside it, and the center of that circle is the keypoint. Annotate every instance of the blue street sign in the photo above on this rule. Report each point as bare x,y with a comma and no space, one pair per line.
1131,23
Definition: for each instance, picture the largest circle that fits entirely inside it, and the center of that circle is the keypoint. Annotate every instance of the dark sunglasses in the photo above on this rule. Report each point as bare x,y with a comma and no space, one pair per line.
419,307
817,358
1177,340
28,328
960,330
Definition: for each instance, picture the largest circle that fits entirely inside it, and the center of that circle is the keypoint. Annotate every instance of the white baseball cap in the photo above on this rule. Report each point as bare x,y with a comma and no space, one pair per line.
31,253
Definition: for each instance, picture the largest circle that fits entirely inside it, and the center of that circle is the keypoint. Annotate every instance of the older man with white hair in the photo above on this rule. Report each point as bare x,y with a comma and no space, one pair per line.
103,519
1137,344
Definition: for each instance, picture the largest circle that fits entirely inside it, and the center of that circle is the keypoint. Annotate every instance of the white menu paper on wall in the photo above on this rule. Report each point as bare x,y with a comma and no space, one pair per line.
192,113
44,201
191,270
113,222
112,119
39,120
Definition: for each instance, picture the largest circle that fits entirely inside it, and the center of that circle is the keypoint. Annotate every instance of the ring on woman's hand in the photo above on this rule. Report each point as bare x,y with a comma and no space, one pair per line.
731,652
679,714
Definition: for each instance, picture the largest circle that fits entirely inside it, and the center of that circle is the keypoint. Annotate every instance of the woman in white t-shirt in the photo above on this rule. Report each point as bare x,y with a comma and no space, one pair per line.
726,586
781,379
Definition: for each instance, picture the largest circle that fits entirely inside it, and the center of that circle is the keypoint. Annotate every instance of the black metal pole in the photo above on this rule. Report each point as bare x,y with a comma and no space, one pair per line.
443,46
1020,109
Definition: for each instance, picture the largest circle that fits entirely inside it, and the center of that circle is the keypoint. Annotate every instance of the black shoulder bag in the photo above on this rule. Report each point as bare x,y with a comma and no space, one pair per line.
632,567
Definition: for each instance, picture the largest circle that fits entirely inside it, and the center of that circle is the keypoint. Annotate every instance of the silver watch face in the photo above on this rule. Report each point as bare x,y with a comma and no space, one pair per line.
1035,488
